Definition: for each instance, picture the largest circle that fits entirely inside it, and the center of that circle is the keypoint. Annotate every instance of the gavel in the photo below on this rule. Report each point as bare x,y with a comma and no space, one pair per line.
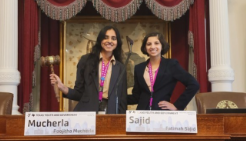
50,61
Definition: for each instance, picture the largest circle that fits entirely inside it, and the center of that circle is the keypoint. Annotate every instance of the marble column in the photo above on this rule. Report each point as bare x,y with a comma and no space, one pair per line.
9,74
220,74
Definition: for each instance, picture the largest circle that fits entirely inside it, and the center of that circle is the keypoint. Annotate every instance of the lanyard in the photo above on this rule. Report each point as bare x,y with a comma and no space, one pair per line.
104,70
152,82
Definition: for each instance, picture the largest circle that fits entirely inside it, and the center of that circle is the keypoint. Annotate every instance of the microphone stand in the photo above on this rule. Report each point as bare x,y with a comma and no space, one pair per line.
121,75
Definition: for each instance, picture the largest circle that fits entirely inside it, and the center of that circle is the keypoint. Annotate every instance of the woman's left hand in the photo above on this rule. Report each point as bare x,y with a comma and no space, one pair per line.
166,105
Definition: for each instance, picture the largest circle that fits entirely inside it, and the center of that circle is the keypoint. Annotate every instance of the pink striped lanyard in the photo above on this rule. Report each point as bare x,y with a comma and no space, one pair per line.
152,82
104,70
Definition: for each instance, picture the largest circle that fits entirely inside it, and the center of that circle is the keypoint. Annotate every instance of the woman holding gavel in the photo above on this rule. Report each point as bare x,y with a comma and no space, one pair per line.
97,74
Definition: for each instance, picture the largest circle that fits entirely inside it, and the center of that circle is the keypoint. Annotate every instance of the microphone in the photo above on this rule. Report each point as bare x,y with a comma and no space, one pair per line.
130,41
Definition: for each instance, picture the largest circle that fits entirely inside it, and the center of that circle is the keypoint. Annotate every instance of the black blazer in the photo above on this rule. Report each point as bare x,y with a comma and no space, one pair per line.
86,90
169,73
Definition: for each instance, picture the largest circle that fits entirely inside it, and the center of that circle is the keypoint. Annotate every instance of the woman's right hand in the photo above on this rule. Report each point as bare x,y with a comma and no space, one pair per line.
166,105
55,80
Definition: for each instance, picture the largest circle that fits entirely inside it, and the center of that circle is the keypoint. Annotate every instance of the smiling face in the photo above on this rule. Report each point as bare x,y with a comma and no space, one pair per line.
109,43
153,47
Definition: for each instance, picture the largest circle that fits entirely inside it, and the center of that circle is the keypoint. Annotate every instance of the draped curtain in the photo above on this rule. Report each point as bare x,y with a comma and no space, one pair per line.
50,44
197,43
61,9
197,47
28,56
115,10
169,10
27,40
180,48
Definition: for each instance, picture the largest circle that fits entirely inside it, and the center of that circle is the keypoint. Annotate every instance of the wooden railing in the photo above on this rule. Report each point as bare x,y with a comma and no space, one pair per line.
212,127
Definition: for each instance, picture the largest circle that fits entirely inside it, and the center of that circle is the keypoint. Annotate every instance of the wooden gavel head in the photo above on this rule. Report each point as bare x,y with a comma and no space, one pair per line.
50,60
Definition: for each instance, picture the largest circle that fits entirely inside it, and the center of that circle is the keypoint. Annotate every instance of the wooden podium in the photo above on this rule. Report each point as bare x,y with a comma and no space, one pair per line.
212,127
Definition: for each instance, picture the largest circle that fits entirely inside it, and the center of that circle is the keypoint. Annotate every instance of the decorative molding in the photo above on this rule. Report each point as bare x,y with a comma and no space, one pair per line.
221,75
9,77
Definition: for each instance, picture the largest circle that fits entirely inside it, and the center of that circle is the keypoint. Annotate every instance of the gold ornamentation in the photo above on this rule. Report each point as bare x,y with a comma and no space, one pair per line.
226,104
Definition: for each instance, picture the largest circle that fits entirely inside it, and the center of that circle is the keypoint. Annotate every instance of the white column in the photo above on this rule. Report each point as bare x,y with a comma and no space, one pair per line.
220,74
9,75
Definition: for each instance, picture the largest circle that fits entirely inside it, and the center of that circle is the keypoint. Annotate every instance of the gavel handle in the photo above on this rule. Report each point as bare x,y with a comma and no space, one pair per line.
55,86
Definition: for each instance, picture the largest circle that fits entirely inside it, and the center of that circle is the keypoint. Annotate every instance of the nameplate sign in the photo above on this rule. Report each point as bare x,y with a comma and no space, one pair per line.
60,123
161,121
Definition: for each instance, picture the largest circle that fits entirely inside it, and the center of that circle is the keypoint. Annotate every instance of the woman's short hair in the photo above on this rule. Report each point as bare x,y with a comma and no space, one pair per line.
164,44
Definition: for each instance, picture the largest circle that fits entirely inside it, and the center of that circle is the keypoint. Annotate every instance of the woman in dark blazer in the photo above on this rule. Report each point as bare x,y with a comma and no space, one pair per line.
97,75
155,79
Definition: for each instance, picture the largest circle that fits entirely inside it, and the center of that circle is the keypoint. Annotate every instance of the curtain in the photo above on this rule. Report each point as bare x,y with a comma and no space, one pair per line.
61,9
169,10
197,43
197,48
121,10
49,46
27,40
117,10
179,48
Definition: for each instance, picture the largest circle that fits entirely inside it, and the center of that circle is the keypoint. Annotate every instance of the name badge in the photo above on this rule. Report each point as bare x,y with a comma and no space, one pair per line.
60,123
161,121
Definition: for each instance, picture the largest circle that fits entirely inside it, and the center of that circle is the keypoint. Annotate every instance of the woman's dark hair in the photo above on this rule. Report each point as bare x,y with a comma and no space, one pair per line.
97,48
164,44
93,58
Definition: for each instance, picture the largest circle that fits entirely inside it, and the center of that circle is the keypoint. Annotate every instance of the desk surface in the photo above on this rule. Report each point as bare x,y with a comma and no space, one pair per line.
213,127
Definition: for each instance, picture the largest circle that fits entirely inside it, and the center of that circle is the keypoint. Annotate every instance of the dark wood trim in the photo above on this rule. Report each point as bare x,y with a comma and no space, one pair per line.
112,127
